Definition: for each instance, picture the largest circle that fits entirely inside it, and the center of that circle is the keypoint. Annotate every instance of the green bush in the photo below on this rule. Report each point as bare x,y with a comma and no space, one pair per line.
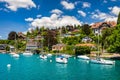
81,50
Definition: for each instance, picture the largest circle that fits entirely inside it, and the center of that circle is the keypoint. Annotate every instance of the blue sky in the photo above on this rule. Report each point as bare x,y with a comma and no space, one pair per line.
23,15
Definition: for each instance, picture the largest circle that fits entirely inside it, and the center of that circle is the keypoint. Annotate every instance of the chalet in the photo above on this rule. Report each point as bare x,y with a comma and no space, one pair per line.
99,26
31,45
3,47
58,47
21,36
12,48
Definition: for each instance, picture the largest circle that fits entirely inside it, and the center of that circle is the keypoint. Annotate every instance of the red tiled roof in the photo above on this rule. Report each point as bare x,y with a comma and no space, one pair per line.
98,24
86,44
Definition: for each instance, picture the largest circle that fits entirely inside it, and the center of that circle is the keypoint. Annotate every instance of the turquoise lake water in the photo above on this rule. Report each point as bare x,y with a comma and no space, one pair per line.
34,68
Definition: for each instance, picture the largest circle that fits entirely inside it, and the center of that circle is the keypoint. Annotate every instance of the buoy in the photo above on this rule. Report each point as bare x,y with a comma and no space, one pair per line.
87,61
8,65
74,57
50,60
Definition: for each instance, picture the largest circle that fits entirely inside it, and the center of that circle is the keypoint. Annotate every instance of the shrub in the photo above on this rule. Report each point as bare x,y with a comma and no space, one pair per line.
81,50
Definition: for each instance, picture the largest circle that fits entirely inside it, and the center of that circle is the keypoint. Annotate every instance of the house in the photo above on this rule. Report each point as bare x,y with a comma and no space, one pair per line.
99,26
12,48
21,36
86,39
3,47
58,47
31,45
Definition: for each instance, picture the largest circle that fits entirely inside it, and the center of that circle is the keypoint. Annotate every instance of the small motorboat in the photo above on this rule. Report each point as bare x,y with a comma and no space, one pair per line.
49,55
102,61
12,53
16,55
61,59
66,55
43,56
27,53
84,57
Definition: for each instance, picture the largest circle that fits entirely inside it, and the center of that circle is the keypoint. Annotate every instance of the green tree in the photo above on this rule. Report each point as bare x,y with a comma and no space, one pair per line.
118,20
105,33
81,50
86,29
12,35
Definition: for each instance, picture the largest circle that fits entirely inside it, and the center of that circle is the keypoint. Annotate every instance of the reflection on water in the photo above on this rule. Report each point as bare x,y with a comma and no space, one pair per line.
34,68
60,65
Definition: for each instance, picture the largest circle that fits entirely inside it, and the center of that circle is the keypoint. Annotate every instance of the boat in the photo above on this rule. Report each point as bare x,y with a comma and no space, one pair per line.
49,55
102,61
84,57
43,56
16,55
99,60
27,53
12,53
61,59
66,55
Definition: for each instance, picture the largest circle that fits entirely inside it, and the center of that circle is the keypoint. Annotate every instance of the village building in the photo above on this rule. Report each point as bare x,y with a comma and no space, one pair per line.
21,36
12,48
86,39
31,45
3,47
58,47
99,26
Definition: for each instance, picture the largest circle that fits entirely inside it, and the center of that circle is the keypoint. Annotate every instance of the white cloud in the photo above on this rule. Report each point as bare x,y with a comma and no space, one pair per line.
55,20
67,5
15,4
38,16
115,10
103,16
110,8
86,4
99,15
111,19
105,1
29,19
56,11
4,9
82,13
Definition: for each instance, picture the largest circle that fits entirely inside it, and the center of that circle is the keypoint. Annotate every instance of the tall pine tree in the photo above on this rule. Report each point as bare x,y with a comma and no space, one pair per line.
118,20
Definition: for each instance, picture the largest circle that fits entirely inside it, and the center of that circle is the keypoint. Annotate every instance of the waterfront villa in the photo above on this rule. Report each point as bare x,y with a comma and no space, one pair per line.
12,48
21,36
3,47
99,26
31,45
58,47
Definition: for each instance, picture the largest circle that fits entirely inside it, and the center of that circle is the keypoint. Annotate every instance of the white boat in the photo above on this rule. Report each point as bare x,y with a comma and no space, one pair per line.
43,56
102,61
27,53
12,53
66,55
16,55
49,55
61,59
84,57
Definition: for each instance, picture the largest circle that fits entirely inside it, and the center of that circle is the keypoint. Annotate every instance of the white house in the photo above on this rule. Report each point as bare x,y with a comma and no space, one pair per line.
99,26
